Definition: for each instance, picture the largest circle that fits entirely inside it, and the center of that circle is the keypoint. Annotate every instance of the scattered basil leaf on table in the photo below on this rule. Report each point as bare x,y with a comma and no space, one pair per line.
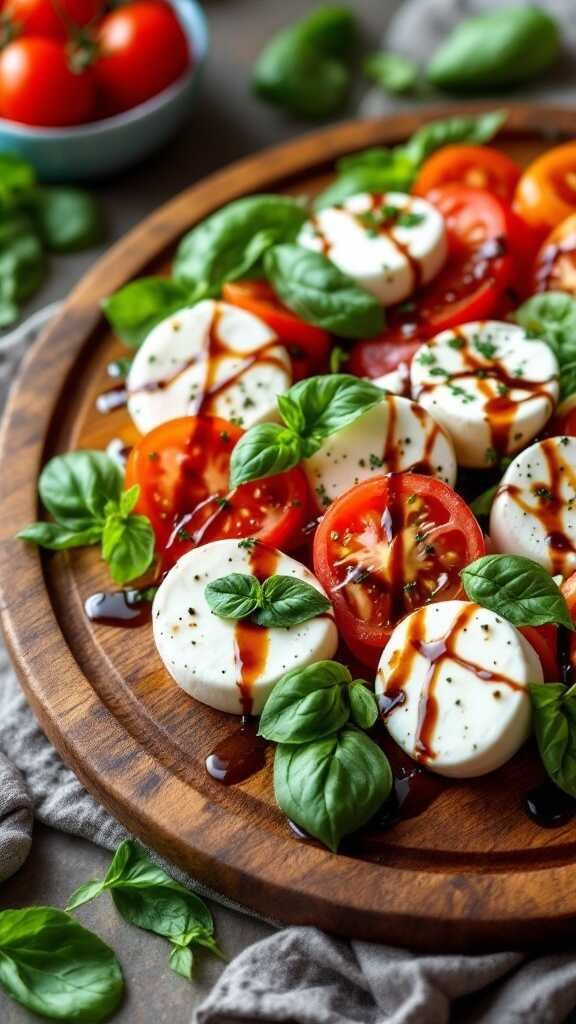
68,219
554,714
181,961
232,241
146,896
482,505
332,786
22,264
363,705
303,68
382,169
392,72
278,601
500,48
83,492
314,288
56,968
135,309
312,409
17,179
307,704
551,316
516,588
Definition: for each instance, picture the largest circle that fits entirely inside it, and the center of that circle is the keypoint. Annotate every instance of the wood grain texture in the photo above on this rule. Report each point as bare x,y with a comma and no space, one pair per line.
471,871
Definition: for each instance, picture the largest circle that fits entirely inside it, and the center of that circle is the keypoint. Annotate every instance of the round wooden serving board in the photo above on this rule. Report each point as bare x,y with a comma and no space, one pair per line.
470,871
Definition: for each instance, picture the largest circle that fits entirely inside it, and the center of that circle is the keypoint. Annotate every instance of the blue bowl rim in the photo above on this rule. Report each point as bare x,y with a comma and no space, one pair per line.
198,35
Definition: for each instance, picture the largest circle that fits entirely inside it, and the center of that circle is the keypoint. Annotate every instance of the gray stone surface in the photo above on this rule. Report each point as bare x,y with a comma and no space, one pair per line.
227,124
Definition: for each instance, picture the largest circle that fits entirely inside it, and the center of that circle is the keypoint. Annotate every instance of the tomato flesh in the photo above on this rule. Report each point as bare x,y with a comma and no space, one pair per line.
389,546
308,346
546,192
555,264
182,468
471,166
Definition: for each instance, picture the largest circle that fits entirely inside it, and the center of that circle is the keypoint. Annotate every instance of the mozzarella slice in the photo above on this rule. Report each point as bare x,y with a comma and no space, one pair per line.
394,436
534,511
232,666
453,682
390,244
212,358
489,385
397,382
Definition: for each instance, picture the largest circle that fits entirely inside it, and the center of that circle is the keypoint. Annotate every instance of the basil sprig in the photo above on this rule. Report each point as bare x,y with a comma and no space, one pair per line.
83,492
551,316
149,898
329,777
311,410
554,714
137,307
482,504
383,169
313,702
278,601
56,968
314,288
518,589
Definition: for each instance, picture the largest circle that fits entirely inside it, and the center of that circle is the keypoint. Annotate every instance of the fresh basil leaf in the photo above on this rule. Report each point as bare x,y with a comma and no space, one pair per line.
22,264
135,309
85,893
307,704
315,289
68,219
76,487
392,72
231,241
338,359
474,129
333,786
181,961
234,596
303,69
552,317
288,602
363,705
516,588
567,381
127,546
482,505
500,48
330,402
396,175
264,450
59,538
554,713
128,500
56,968
17,179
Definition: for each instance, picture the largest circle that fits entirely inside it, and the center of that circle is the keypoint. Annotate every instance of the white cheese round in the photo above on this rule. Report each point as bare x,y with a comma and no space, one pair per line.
390,244
394,436
490,386
212,358
534,511
231,666
453,684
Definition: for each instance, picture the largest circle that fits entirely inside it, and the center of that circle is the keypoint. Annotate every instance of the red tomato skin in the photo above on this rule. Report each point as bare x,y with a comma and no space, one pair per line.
545,194
544,640
380,355
309,346
365,640
472,166
37,86
44,18
143,50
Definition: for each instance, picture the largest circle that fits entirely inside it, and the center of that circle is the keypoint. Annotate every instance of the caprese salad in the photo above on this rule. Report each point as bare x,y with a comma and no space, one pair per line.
357,457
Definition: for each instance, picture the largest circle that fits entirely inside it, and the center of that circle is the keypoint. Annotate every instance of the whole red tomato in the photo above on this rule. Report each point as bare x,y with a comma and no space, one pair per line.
38,87
46,18
143,49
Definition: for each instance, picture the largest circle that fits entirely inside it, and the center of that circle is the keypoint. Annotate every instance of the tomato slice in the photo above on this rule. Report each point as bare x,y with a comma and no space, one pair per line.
388,546
471,285
555,263
381,355
472,166
182,469
544,640
546,192
309,346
